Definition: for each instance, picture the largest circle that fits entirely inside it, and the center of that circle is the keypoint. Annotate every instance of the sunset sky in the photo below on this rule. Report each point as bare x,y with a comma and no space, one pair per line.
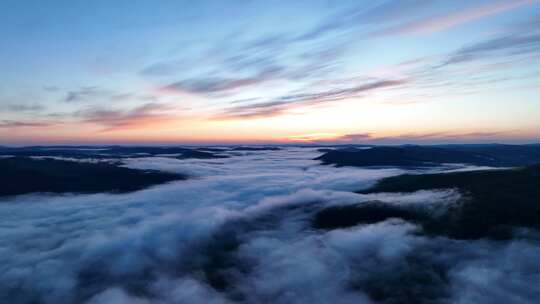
219,72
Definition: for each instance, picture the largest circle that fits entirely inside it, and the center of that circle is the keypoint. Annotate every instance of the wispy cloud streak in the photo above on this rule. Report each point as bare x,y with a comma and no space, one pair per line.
443,22
506,45
279,105
137,118
10,124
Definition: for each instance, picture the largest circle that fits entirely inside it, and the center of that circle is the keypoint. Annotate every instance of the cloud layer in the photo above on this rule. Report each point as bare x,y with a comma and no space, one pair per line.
240,231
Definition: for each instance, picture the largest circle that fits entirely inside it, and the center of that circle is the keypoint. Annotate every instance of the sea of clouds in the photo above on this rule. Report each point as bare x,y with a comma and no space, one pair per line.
239,231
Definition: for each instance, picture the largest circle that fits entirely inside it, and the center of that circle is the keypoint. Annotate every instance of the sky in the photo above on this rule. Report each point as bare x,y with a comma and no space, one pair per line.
223,72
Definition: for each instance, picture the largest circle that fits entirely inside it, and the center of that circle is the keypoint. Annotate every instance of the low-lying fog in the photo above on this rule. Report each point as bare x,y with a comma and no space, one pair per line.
239,230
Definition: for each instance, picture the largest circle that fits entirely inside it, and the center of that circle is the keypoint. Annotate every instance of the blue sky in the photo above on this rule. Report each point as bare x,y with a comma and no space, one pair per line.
269,71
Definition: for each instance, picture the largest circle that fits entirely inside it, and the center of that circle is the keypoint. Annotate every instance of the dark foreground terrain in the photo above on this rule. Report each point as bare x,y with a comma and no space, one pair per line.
494,203
21,175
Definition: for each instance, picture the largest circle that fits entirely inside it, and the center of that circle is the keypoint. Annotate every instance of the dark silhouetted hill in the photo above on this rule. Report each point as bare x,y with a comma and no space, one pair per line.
21,175
419,156
494,202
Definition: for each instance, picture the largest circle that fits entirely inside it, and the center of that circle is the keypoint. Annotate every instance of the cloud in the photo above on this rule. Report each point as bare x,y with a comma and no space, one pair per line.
258,110
470,279
12,124
276,55
372,138
238,54
85,260
51,88
136,118
22,107
312,137
419,137
443,22
255,62
88,93
164,68
216,85
285,102
240,232
359,16
338,94
510,45
443,136
472,69
95,94
356,137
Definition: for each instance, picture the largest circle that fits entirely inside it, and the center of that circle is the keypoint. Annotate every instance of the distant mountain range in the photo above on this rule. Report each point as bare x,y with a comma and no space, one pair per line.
110,152
496,155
